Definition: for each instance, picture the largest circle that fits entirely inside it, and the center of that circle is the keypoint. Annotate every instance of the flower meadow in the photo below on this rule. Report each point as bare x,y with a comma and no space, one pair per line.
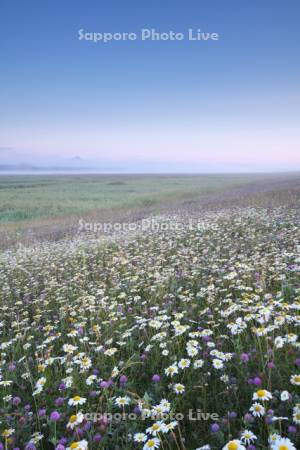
180,339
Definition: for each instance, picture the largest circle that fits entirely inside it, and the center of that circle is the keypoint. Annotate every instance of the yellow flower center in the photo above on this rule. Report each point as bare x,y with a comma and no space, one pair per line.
73,418
297,379
233,445
155,427
283,447
76,399
74,445
261,393
151,443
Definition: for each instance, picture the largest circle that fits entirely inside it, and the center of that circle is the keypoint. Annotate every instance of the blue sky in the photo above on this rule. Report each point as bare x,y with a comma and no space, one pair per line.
231,104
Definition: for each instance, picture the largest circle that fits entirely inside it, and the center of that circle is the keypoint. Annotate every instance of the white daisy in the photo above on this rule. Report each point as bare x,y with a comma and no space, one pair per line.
139,437
295,379
152,443
122,401
234,445
217,363
77,400
257,410
184,363
262,395
171,370
79,445
248,437
178,388
157,427
283,444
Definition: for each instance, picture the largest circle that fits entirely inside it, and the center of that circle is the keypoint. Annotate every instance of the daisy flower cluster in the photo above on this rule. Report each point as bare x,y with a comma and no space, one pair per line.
120,343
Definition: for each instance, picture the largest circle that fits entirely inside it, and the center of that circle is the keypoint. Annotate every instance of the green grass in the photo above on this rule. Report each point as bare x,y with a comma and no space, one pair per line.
32,198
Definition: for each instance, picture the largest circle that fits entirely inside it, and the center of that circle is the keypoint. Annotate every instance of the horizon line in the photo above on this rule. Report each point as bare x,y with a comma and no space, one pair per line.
84,172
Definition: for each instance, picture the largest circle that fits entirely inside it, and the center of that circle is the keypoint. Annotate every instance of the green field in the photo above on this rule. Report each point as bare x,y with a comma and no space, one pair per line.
35,198
36,208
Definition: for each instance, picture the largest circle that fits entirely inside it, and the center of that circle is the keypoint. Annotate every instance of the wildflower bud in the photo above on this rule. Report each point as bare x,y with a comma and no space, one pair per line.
22,421
54,416
42,413
215,428
136,410
93,394
12,367
30,446
16,401
284,396
87,426
249,418
97,438
244,357
123,380
79,432
156,378
59,401
257,381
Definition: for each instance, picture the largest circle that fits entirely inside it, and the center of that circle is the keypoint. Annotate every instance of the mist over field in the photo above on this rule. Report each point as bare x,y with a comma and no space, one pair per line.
14,161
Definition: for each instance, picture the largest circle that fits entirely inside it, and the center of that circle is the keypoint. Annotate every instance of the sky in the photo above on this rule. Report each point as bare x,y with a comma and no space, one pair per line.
231,104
